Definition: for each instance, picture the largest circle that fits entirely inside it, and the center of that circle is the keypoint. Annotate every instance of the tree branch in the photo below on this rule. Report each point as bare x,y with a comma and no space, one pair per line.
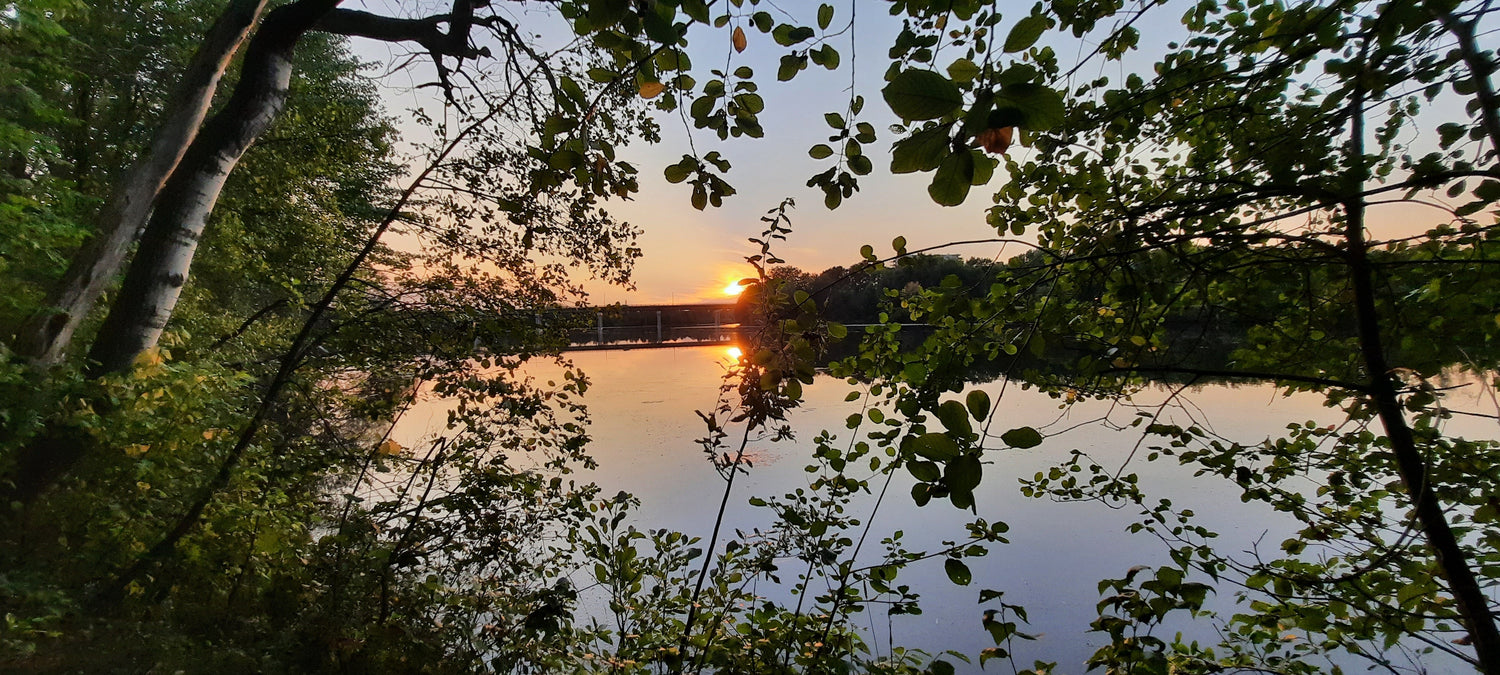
1241,374
425,31
1480,68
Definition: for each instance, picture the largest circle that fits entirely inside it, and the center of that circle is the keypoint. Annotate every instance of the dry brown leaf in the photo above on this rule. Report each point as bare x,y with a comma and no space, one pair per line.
995,141
652,89
739,39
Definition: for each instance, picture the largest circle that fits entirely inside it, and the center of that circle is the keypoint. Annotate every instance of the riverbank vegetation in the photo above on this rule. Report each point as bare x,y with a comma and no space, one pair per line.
212,330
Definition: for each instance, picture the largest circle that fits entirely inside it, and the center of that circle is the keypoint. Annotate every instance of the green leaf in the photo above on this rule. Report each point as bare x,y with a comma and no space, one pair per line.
787,35
751,103
950,185
564,159
834,120
829,56
1025,33
984,168
837,331
820,151
926,472
1488,191
964,473
922,151
1022,438
1040,108
954,418
963,71
791,64
825,16
978,403
676,173
659,24
962,500
958,573
934,446
922,95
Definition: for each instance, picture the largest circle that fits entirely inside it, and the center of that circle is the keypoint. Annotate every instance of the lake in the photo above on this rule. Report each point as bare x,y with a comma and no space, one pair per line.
642,404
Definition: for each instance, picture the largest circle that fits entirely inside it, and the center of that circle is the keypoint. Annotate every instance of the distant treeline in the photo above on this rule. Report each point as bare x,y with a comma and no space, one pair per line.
1191,326
858,294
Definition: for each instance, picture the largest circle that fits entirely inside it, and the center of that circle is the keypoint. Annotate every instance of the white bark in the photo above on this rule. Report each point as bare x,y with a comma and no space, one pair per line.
156,276
160,268
45,336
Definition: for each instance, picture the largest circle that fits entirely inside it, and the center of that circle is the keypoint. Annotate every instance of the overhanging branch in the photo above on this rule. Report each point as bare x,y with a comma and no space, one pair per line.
427,31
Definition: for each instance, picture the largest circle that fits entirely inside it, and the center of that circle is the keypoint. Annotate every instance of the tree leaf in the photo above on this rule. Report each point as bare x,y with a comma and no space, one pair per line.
950,185
963,71
830,57
1025,33
924,471
954,418
984,168
1040,107
738,39
978,403
860,165
676,173
934,446
922,151
652,89
1022,438
958,572
964,473
922,95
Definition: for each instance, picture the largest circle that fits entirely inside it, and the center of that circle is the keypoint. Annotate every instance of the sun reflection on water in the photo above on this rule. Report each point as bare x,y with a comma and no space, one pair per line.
734,353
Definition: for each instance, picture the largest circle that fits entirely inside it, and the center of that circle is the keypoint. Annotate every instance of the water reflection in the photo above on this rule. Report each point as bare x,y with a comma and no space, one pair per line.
642,403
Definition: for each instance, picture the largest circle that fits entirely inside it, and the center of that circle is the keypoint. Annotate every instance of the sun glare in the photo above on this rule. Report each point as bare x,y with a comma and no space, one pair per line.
734,288
734,353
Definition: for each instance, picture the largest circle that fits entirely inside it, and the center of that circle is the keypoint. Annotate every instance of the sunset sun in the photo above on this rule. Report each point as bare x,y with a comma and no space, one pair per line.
734,288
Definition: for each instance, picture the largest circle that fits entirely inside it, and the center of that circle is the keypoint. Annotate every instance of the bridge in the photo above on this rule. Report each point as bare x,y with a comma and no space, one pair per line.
664,325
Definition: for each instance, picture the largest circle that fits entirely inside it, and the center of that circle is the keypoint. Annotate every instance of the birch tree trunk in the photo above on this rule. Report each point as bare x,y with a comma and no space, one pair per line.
45,336
160,268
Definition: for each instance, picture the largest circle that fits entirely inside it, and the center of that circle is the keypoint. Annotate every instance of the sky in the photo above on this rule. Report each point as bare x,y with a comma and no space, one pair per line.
690,255
691,252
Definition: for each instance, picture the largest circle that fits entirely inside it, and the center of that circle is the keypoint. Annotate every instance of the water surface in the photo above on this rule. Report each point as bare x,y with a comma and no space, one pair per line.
643,431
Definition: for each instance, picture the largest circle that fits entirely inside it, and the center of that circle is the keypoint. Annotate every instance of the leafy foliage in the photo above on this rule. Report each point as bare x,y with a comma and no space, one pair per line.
1217,204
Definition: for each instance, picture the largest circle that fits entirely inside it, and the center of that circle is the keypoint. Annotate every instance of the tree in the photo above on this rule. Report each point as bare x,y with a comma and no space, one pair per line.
1249,161
1229,187
188,198
47,333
